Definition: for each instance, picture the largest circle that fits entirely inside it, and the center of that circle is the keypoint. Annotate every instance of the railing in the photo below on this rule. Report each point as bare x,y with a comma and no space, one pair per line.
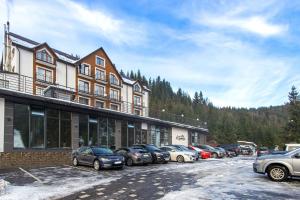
24,84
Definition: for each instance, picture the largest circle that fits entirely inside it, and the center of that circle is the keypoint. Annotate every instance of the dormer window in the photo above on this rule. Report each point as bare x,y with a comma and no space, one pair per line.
137,88
100,61
43,55
114,80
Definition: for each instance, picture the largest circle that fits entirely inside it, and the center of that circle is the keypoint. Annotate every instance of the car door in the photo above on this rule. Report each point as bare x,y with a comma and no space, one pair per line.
88,156
296,163
80,155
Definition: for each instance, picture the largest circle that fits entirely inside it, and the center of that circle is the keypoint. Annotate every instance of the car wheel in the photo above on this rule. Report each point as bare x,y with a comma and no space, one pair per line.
129,162
277,173
75,161
180,159
97,165
214,155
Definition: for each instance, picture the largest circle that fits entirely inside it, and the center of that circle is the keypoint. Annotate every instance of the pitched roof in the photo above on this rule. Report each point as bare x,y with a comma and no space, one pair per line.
130,81
27,43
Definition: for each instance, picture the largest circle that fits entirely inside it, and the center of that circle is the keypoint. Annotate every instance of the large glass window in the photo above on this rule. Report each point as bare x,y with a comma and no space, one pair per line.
93,137
124,134
21,126
52,128
103,131
65,129
164,136
37,128
111,129
137,100
83,130
131,127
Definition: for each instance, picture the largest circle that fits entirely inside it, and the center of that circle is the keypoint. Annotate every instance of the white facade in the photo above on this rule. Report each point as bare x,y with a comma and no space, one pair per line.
2,109
65,75
180,136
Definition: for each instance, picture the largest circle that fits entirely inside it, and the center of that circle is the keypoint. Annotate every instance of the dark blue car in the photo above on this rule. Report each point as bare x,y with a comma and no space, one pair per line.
98,157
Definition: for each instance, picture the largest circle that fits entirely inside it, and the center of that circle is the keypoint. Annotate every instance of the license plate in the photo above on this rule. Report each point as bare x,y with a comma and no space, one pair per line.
146,155
118,162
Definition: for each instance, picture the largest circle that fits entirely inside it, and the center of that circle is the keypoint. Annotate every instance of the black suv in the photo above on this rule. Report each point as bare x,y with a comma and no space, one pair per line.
158,156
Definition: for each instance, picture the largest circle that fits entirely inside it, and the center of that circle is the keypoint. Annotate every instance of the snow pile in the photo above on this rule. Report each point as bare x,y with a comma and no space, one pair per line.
3,185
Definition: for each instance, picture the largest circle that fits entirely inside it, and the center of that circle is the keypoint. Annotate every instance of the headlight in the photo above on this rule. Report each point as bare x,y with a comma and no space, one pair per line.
104,159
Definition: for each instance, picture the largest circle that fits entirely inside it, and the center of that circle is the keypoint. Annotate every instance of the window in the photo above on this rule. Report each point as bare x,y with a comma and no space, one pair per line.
137,100
137,112
84,69
84,86
103,131
114,80
137,88
99,90
44,56
65,129
99,104
114,107
93,125
44,75
21,126
100,61
37,128
111,128
52,128
100,75
4,84
83,130
83,100
114,94
39,91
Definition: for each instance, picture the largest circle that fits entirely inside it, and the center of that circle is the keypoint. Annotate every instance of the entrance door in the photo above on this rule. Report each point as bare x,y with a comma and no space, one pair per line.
144,137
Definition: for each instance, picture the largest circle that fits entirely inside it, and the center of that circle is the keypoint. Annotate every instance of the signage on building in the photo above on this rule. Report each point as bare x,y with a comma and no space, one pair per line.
180,137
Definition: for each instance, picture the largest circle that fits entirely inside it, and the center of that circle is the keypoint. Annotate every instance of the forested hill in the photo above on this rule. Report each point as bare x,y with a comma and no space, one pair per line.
264,126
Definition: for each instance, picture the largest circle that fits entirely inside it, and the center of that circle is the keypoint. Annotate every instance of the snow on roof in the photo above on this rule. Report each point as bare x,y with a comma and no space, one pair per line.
25,42
131,82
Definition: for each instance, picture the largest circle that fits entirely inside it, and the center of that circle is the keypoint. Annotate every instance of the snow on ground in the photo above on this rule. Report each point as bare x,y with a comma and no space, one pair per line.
54,186
233,179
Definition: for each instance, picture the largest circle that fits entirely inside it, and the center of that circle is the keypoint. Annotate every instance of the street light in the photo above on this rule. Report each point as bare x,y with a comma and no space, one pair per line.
163,110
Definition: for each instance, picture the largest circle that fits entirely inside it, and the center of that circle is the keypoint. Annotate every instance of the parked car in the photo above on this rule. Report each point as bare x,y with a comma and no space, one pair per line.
134,155
184,148
158,156
263,151
222,151
215,153
236,148
178,154
279,166
202,153
98,157
291,147
246,150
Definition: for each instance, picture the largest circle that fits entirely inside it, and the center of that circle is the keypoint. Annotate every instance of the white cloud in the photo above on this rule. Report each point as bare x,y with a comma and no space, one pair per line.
254,24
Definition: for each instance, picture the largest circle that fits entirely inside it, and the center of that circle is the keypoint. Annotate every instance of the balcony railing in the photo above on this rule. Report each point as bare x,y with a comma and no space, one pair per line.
24,84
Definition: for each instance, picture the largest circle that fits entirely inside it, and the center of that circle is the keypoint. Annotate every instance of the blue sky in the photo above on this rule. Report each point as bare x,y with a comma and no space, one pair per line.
239,53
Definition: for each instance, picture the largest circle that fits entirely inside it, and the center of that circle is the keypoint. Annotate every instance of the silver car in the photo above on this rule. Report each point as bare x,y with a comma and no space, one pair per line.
279,166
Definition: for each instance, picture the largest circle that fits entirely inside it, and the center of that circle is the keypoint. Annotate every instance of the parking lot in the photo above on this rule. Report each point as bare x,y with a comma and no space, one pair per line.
229,178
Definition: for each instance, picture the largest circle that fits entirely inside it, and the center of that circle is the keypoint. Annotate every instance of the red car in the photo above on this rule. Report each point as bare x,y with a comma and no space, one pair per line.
202,153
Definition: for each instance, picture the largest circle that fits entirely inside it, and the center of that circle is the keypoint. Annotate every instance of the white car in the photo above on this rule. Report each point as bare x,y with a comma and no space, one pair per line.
179,155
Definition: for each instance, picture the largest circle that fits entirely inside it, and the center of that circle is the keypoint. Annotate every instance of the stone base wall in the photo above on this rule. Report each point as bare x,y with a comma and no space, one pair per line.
34,159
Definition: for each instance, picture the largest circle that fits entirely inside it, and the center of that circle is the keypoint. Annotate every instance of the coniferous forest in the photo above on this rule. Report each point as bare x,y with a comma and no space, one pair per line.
266,126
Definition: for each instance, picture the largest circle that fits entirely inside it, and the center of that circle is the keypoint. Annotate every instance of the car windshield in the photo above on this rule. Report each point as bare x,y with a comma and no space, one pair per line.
152,148
293,152
99,151
139,150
